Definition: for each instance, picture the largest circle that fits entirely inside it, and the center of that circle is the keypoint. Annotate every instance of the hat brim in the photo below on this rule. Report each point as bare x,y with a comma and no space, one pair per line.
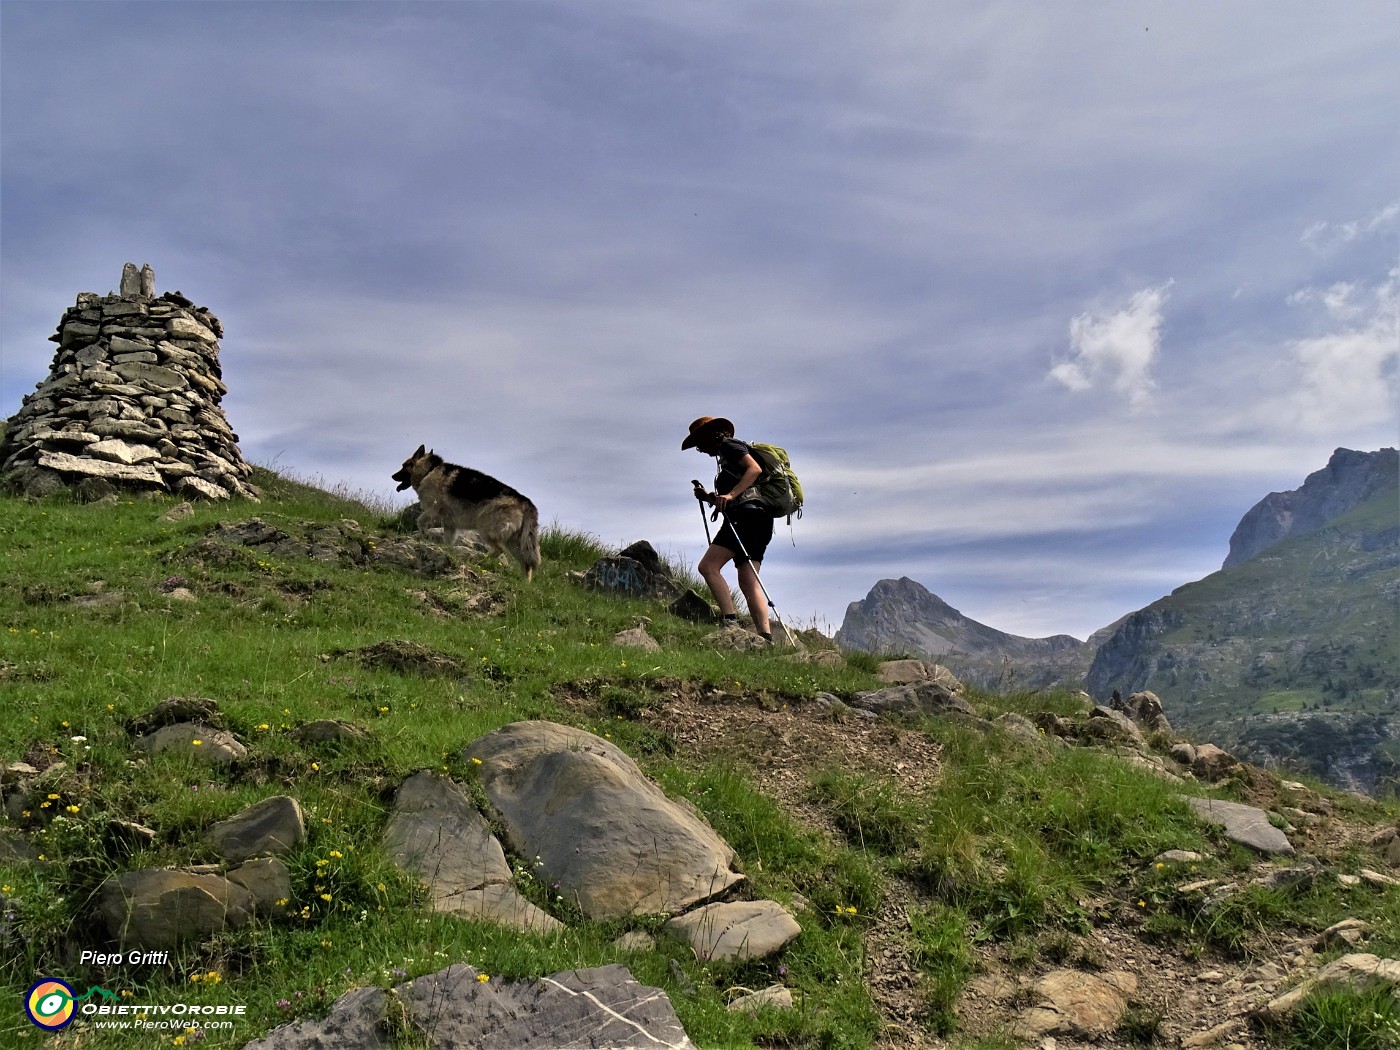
710,426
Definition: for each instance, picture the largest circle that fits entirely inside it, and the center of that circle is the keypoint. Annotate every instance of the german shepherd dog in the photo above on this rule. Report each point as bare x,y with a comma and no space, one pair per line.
458,499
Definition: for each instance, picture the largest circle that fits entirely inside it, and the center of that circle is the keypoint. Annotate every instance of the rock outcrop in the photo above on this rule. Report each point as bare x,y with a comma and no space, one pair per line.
131,402
1349,479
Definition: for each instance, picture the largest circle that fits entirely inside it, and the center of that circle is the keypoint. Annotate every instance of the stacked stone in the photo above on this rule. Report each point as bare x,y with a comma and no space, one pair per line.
131,402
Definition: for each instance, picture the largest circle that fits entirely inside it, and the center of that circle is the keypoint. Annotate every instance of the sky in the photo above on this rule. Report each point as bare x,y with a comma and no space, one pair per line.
1040,298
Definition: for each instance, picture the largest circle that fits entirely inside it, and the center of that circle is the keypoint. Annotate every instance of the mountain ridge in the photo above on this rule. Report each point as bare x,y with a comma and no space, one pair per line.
1349,479
1289,651
905,616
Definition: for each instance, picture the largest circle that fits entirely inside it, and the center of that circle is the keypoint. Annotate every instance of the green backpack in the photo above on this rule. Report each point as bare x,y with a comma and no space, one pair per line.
778,488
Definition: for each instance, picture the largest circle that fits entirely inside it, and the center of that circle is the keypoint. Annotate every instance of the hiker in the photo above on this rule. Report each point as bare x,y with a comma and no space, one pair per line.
748,523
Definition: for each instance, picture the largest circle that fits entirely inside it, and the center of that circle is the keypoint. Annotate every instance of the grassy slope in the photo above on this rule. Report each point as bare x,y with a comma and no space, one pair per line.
1006,850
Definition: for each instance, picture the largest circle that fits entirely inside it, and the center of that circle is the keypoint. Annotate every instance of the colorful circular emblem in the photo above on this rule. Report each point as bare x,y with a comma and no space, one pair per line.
49,1004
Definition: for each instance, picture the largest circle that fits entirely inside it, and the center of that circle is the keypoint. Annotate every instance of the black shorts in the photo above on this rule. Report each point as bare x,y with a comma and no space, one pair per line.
748,529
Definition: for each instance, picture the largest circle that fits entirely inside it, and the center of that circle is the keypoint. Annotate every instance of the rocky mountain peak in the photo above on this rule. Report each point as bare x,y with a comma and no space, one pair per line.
904,615
1349,479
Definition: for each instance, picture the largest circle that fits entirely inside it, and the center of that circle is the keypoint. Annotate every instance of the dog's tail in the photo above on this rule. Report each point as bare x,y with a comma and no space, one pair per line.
526,543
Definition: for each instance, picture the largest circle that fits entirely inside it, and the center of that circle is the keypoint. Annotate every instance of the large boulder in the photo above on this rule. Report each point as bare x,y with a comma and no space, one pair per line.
166,907
461,1008
437,832
610,838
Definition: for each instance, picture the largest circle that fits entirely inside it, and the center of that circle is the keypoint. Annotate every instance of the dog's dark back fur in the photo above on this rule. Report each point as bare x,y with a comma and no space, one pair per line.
474,486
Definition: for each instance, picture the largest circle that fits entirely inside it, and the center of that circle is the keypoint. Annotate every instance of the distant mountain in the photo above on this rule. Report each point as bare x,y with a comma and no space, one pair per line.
1349,479
902,616
1292,651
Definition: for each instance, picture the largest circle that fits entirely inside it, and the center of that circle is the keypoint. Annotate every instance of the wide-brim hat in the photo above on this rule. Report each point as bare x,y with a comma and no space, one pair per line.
704,427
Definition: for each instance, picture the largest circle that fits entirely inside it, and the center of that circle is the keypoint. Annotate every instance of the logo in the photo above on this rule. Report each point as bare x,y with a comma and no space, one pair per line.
50,1004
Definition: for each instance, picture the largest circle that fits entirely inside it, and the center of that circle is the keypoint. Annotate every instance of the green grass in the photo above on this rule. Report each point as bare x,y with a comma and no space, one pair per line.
89,640
1006,849
1364,1020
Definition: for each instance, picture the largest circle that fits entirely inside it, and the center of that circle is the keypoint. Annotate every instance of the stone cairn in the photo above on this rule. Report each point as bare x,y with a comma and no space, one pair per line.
131,403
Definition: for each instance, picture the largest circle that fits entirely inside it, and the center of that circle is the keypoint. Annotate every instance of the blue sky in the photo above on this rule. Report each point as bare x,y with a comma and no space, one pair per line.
1041,298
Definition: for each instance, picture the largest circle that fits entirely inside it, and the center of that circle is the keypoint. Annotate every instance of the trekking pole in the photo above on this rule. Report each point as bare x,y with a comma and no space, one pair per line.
700,498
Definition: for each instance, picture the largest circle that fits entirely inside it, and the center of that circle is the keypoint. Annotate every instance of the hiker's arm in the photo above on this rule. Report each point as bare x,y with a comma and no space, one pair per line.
752,472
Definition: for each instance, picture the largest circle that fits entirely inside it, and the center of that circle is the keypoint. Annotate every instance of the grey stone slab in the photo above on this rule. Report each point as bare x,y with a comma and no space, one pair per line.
1246,825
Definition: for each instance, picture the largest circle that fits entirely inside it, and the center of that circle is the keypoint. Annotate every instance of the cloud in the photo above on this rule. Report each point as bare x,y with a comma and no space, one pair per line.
1350,373
1328,237
545,237
1117,349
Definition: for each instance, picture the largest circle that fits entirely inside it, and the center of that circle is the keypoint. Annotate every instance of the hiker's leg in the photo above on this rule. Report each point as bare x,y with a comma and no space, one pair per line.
753,594
715,559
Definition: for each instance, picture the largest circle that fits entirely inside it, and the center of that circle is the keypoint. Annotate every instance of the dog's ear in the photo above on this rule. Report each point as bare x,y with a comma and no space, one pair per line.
419,453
